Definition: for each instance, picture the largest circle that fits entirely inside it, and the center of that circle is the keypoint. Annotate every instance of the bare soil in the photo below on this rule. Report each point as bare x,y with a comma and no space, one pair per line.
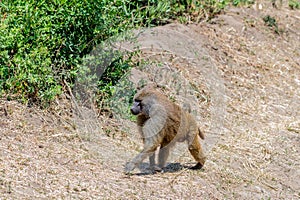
243,81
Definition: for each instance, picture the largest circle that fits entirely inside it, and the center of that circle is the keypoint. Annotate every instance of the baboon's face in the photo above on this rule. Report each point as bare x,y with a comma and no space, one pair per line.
136,107
143,101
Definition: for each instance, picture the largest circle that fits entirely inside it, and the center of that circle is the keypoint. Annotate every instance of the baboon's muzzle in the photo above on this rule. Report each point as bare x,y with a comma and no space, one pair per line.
134,111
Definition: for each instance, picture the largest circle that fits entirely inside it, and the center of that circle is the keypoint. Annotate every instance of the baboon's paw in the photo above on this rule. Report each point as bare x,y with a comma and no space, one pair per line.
156,169
129,167
196,167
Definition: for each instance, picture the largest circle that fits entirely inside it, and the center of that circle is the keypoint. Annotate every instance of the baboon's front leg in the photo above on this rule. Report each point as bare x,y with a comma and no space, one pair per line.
163,155
153,166
137,160
149,149
152,160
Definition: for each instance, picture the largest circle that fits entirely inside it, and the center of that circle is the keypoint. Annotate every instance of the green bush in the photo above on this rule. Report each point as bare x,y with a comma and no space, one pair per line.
43,42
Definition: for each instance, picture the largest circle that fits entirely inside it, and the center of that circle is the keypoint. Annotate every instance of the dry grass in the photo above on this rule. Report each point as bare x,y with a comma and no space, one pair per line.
243,83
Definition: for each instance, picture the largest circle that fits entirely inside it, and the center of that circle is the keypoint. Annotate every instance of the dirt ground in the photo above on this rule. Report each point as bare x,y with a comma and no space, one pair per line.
243,81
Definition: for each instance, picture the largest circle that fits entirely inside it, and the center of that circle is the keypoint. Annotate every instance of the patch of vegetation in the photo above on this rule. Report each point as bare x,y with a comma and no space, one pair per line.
271,22
242,2
111,77
42,43
294,4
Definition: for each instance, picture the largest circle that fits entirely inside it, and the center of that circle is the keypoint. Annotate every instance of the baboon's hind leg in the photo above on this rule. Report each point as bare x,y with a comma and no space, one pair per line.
196,151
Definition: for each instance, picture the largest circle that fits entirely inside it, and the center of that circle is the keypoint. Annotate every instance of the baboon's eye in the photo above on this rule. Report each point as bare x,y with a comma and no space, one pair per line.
138,103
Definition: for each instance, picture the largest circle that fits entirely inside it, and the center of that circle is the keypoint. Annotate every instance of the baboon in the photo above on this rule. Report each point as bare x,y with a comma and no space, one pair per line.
163,123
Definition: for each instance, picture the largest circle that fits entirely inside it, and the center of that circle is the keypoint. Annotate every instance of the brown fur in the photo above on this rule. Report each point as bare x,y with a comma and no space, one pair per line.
163,123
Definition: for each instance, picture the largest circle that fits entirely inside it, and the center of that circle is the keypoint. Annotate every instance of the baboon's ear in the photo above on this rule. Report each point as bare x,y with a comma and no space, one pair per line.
140,85
149,85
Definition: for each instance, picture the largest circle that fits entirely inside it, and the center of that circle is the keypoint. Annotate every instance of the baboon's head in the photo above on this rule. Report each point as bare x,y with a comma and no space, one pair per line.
143,101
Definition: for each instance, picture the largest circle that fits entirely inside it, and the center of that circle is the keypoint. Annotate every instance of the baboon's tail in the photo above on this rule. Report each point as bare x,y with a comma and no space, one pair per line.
201,134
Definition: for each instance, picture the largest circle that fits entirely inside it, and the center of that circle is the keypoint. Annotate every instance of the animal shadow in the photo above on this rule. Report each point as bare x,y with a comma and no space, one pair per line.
170,168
